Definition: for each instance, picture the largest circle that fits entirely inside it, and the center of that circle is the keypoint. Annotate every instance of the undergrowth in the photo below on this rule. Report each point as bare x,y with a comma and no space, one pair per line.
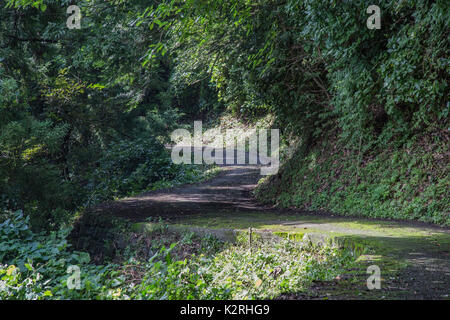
161,265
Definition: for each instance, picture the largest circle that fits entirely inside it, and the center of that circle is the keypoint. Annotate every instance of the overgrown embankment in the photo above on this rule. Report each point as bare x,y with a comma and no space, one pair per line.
405,182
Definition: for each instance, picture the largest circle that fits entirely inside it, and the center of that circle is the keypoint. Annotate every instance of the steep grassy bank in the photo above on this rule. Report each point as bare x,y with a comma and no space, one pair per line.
399,182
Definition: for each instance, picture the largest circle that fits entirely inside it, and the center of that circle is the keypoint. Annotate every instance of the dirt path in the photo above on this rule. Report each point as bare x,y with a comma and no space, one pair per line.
229,191
415,255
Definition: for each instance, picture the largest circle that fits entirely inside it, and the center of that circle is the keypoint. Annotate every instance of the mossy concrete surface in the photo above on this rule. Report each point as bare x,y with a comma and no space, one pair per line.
326,225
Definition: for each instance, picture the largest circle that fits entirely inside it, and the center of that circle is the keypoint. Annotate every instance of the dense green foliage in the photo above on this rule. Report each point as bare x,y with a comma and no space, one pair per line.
316,65
34,266
82,120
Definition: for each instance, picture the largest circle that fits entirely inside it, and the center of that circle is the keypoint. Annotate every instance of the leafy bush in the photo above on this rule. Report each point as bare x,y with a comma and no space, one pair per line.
34,266
130,166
